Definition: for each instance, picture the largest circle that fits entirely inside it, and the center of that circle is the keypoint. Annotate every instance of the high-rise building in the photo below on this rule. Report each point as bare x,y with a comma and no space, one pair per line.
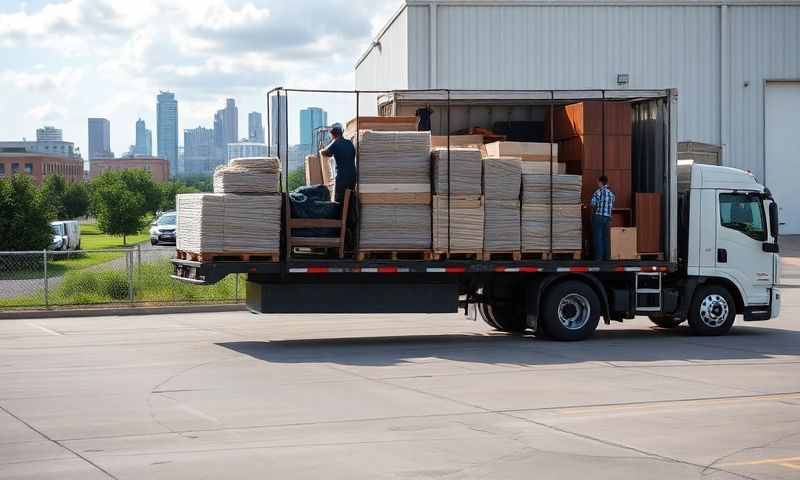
226,124
199,150
255,127
144,140
49,134
167,128
246,149
99,138
310,119
278,125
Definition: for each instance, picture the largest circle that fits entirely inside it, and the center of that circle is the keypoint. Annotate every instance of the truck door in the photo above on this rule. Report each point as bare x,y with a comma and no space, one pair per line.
742,229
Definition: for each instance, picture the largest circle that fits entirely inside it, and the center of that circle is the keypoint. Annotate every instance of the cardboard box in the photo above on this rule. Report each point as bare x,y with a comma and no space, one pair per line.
328,167
527,151
313,170
623,243
388,124
457,141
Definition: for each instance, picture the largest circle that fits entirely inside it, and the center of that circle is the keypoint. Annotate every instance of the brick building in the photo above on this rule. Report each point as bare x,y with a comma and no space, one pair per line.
40,165
157,166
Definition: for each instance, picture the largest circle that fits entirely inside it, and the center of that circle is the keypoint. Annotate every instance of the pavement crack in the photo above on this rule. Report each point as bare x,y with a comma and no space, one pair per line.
747,449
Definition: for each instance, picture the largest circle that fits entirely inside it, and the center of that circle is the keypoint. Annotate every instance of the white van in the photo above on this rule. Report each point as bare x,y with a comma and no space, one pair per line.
66,235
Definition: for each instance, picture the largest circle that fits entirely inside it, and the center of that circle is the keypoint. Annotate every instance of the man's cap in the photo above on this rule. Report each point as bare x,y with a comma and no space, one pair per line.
336,128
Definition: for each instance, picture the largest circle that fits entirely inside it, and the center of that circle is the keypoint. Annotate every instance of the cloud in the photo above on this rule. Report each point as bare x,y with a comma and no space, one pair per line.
41,82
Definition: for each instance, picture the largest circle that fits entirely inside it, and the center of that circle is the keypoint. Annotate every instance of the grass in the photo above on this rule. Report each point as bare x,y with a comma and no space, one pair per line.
94,239
151,284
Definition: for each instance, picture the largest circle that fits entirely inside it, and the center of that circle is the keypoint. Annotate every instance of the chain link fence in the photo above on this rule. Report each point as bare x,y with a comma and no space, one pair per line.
139,275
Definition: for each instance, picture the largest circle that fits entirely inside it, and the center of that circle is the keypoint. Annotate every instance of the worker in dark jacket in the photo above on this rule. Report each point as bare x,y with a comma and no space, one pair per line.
343,151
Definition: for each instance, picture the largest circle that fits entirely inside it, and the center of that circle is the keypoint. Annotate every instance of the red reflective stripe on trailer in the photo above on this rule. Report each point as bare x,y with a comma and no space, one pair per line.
455,269
387,269
619,269
578,269
530,269
317,270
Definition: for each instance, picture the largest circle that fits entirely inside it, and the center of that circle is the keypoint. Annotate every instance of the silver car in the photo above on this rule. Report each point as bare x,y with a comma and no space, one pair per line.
163,229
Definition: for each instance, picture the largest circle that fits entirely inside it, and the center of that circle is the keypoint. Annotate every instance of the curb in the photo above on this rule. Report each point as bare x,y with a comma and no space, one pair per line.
122,311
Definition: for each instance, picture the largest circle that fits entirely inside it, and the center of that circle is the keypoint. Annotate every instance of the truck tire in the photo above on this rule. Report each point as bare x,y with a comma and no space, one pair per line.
713,311
665,322
505,319
571,311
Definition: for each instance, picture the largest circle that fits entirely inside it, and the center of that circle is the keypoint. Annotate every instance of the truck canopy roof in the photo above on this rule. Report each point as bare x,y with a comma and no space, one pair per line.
698,176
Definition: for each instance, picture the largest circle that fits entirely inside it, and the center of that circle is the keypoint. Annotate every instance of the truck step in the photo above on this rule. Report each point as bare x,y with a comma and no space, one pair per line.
658,256
400,254
552,255
459,255
514,256
228,256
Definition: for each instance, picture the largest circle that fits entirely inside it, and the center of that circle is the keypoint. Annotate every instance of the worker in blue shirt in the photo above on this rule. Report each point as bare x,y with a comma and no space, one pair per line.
602,206
343,151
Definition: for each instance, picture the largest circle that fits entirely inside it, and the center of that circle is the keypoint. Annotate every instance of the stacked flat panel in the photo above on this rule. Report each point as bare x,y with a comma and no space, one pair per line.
502,177
536,227
501,226
248,175
465,232
465,167
395,227
566,189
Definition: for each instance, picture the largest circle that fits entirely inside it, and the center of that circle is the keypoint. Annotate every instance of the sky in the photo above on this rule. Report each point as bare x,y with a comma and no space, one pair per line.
65,61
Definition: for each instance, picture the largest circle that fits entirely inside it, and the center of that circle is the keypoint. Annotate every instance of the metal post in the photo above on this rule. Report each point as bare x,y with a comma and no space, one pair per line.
237,288
130,275
552,134
139,254
46,290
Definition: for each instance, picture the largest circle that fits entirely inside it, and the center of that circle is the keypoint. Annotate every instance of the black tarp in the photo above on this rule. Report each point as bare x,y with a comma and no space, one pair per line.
314,201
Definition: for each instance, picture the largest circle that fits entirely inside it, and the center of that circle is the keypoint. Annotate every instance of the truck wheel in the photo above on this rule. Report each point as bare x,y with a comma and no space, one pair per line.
505,319
665,322
713,311
571,311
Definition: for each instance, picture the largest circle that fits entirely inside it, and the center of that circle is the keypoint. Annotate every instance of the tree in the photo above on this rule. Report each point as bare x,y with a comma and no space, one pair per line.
76,200
24,223
169,190
297,178
52,196
121,199
200,181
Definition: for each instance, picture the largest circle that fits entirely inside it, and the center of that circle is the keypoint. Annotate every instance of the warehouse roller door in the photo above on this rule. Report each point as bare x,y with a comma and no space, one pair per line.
782,150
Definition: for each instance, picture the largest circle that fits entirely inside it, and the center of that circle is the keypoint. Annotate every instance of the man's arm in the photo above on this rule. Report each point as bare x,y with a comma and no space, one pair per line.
595,198
326,152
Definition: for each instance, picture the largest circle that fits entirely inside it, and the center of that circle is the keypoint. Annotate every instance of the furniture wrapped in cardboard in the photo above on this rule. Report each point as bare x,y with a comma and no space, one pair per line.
313,170
394,157
465,167
648,223
465,233
328,169
228,223
525,151
623,243
502,178
395,227
536,227
248,175
501,232
566,189
392,124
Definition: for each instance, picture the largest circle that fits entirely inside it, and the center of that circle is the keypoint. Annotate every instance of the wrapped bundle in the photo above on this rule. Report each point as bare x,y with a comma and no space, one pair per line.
502,178
465,170
566,189
501,226
543,168
248,175
466,224
228,223
536,227
394,157
395,227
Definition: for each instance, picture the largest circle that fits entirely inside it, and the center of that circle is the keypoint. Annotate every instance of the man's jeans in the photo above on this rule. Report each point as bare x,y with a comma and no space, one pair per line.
600,237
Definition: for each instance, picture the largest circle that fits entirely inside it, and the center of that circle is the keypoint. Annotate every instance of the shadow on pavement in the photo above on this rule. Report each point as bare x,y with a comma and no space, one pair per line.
642,345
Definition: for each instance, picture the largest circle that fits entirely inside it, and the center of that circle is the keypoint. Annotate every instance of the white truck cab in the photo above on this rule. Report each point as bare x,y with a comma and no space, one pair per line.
731,240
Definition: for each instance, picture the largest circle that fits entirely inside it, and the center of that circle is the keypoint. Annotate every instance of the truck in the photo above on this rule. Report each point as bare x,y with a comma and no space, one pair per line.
719,240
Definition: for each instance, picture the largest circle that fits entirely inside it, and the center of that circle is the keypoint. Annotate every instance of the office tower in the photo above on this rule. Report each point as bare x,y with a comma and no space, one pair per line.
255,128
49,134
99,138
310,119
199,150
167,128
278,125
144,140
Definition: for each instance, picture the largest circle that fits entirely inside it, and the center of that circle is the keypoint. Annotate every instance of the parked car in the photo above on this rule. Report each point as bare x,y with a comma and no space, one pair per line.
66,235
163,229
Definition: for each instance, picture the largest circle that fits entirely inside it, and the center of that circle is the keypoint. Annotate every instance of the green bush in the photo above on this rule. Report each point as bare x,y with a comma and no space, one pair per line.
114,285
79,282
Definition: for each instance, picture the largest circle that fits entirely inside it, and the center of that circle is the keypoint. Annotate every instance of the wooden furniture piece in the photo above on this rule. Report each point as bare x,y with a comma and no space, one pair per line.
648,223
317,242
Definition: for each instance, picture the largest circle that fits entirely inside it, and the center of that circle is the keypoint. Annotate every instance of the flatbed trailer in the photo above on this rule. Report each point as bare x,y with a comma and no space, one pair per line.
560,298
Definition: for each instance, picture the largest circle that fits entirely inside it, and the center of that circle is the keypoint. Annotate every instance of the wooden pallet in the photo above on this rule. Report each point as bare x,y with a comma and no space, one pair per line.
458,255
552,255
228,257
659,256
400,254
514,256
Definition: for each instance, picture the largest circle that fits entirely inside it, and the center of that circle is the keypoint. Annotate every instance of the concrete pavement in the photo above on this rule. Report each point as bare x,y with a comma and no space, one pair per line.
236,395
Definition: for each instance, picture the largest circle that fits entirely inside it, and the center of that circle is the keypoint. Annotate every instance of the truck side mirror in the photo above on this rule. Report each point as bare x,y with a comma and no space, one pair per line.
774,224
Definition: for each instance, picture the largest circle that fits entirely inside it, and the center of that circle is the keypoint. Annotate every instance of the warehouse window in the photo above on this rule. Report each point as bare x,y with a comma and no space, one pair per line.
29,168
14,168
743,212
2,168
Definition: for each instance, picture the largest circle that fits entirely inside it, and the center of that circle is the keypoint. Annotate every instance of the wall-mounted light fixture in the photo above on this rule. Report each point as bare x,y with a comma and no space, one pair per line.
622,79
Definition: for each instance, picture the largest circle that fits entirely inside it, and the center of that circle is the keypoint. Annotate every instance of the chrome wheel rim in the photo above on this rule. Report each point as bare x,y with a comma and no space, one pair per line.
714,310
574,311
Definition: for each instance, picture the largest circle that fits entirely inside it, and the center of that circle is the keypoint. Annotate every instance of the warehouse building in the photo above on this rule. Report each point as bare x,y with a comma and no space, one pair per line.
735,64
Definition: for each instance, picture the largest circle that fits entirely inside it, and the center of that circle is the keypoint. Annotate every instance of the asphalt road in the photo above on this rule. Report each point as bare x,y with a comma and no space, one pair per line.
236,395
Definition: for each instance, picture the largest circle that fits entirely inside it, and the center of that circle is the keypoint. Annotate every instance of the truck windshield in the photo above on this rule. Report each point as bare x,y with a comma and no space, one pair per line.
743,212
58,229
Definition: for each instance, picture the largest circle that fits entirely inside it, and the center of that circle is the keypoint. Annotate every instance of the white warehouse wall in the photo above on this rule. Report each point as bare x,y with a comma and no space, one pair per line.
553,45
